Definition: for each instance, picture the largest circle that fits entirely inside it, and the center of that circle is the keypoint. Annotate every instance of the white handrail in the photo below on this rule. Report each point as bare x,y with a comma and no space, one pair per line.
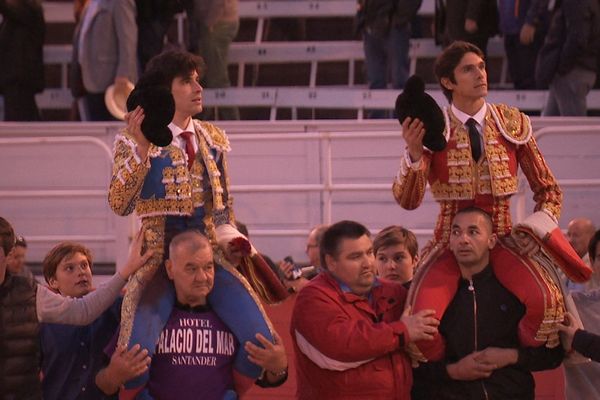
540,135
121,246
329,135
69,139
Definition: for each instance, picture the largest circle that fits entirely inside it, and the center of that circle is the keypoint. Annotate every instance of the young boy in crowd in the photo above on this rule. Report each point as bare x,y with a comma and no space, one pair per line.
396,253
72,355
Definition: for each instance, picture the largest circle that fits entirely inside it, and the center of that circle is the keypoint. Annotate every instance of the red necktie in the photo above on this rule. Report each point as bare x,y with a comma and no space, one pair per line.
189,147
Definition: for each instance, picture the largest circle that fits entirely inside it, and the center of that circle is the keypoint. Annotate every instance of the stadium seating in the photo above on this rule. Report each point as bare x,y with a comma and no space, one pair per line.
313,94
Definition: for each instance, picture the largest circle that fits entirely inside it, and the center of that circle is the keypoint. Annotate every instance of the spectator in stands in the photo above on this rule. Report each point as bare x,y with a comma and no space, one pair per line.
473,21
478,167
215,24
386,29
181,186
296,277
523,24
483,357
153,20
579,232
568,60
348,327
15,262
104,53
396,254
19,336
21,49
204,366
73,355
78,7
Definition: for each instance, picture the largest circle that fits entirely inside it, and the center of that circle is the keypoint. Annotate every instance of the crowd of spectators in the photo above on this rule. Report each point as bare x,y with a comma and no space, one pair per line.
113,41
84,359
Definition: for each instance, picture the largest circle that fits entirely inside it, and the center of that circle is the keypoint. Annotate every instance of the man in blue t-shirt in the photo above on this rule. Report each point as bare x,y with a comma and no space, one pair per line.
195,354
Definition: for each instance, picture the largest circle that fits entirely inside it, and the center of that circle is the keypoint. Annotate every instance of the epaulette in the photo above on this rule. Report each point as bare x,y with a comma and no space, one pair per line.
512,123
127,138
123,134
215,136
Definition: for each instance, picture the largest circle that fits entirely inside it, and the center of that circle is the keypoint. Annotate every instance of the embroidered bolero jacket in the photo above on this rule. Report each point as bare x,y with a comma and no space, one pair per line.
457,181
162,185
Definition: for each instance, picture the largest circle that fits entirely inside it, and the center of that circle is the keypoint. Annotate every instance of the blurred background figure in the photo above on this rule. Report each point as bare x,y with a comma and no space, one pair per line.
293,275
568,60
473,21
213,26
594,256
386,29
396,253
22,31
313,243
78,6
15,262
104,53
580,232
523,24
153,20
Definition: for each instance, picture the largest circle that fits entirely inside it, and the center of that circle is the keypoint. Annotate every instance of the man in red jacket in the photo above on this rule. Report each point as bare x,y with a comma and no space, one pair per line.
348,327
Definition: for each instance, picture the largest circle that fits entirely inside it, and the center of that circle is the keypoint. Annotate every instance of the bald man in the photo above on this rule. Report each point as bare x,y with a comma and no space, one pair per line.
197,352
579,233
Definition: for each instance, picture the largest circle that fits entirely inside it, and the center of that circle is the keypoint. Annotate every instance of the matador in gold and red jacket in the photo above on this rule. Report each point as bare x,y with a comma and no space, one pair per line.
457,182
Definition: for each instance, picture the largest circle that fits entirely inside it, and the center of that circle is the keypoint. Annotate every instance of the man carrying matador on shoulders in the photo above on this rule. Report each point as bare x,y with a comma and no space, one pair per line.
474,163
171,170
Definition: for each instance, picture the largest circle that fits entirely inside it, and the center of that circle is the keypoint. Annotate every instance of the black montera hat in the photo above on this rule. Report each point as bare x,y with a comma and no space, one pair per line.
415,103
159,108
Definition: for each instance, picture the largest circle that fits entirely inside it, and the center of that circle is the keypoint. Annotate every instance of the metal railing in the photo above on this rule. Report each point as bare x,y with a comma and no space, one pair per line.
121,246
327,185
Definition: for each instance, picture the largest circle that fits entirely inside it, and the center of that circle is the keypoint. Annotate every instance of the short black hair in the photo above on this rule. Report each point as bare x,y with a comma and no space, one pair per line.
447,61
476,210
336,233
163,68
592,245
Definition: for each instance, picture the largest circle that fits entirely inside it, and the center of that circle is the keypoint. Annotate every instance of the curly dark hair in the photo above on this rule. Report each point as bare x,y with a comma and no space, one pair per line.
168,65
